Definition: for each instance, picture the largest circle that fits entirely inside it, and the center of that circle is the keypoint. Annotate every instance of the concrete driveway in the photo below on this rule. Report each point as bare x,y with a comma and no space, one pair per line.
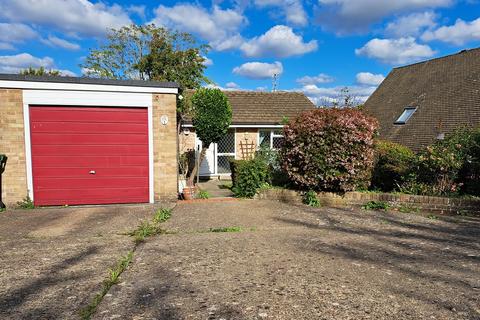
295,262
54,260
282,262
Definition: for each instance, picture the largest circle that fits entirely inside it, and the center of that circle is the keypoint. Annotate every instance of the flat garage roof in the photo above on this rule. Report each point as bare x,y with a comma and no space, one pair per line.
86,80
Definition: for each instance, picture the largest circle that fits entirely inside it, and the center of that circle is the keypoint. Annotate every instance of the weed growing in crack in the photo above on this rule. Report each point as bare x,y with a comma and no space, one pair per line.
146,229
26,203
114,273
310,198
226,229
376,205
162,215
432,217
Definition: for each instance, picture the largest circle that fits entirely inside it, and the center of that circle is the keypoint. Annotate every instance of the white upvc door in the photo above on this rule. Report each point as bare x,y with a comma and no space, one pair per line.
217,158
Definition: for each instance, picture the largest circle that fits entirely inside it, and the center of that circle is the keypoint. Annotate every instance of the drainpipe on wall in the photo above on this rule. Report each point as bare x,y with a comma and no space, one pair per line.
3,163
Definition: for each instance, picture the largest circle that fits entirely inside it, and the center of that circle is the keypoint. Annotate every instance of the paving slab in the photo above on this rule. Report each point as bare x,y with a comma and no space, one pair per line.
296,262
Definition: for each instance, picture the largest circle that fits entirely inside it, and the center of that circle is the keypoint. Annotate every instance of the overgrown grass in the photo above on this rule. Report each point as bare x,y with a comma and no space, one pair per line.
203,194
26,203
376,205
113,276
226,229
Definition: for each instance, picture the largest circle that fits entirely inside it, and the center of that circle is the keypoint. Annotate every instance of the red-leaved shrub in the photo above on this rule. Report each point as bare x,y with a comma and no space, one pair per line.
329,149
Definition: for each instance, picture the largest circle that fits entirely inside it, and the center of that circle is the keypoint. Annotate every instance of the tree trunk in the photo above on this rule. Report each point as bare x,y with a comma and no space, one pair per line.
203,152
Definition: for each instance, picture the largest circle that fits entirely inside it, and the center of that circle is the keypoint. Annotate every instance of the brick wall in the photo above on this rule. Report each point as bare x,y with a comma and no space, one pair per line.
328,199
187,141
165,147
12,143
246,140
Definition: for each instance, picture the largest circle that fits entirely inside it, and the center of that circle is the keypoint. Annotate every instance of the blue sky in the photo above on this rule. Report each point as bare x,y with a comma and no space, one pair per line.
317,47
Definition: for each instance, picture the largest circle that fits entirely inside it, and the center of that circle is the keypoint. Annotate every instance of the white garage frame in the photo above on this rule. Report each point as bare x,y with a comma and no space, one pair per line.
86,99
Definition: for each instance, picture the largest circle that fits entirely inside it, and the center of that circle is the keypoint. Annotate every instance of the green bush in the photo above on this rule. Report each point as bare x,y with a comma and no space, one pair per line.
248,176
272,159
469,175
441,164
329,149
393,163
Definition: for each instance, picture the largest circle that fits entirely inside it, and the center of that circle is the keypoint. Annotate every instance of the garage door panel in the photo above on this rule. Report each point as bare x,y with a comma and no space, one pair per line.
92,182
69,142
69,172
87,138
88,114
91,162
98,150
91,128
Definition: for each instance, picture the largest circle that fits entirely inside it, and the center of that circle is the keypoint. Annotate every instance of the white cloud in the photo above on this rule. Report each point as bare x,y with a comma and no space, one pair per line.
232,85
71,16
321,78
6,46
459,33
67,73
207,62
395,51
346,16
370,79
138,10
16,63
322,96
411,25
61,43
292,10
216,26
16,32
259,70
280,41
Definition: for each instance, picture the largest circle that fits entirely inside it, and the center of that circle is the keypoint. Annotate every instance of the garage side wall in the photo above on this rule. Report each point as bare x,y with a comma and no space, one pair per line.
164,147
12,143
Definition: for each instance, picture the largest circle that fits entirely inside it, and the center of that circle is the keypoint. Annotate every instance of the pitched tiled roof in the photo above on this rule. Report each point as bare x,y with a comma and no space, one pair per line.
257,108
445,91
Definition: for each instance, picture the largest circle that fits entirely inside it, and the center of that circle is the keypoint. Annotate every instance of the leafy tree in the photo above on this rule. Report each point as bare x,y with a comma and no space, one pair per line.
212,116
40,72
149,53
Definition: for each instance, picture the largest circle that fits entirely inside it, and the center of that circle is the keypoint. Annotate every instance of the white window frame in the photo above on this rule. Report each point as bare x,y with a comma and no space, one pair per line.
272,135
405,110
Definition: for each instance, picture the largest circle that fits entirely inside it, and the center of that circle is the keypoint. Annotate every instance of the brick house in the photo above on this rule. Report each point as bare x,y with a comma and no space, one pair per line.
87,141
422,102
256,121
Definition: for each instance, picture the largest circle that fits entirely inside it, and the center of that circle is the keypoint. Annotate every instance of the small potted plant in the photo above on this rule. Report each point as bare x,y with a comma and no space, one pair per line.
187,189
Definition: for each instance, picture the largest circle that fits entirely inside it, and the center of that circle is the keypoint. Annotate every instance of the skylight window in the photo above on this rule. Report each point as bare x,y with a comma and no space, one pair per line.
406,115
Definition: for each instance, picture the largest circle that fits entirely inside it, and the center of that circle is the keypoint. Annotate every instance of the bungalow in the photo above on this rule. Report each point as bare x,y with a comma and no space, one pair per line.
87,141
256,122
422,102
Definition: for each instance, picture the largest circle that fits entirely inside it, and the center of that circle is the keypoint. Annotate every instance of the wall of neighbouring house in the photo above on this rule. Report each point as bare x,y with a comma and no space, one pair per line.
246,140
12,144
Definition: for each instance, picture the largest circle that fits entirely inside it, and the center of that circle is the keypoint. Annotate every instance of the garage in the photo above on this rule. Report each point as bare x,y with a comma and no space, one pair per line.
89,155
88,141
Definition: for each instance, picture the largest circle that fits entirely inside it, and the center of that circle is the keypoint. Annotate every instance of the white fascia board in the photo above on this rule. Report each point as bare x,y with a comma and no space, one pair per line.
256,126
7,84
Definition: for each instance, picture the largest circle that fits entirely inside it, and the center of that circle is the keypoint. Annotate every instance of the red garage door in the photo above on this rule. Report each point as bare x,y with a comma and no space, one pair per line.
89,155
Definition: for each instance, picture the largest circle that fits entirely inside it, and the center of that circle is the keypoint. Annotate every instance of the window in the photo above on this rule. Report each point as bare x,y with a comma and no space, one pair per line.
272,139
406,115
